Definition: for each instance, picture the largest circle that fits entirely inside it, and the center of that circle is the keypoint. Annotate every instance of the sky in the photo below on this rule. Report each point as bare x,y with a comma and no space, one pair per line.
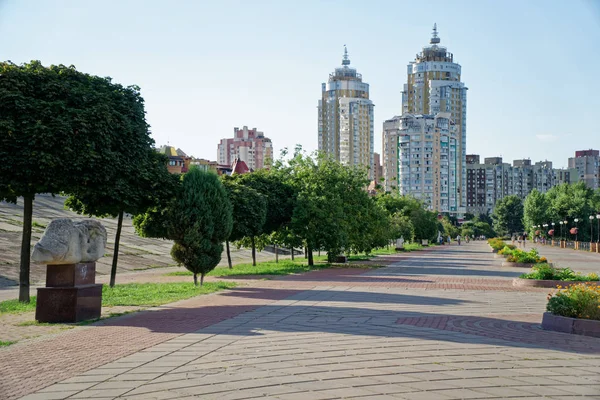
204,67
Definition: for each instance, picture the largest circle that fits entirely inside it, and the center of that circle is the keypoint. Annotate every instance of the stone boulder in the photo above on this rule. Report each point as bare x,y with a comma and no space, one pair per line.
68,242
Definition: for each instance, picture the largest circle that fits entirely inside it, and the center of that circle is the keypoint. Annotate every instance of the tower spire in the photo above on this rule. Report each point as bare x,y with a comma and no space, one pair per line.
434,36
345,60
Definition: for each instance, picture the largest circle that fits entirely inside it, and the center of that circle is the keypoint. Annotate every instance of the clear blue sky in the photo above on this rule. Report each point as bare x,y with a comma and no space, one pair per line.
532,67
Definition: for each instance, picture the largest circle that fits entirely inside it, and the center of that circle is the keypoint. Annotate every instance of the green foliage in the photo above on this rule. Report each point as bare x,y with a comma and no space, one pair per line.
278,193
577,301
496,243
283,267
17,307
401,226
249,209
546,272
530,257
450,228
200,221
155,294
535,210
425,223
63,131
508,215
6,343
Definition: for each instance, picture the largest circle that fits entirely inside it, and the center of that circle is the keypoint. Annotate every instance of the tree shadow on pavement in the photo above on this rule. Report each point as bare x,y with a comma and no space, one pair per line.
524,332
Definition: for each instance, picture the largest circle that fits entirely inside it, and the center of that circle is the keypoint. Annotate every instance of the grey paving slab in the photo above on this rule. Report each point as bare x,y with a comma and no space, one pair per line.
370,342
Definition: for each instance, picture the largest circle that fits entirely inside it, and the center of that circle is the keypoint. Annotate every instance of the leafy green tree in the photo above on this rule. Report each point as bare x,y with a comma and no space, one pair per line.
330,199
450,228
142,184
508,215
279,196
570,201
200,221
401,226
469,216
249,214
425,223
60,131
536,210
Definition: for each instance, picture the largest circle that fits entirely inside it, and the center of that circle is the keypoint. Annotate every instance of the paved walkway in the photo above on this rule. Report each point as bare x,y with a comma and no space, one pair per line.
439,324
577,260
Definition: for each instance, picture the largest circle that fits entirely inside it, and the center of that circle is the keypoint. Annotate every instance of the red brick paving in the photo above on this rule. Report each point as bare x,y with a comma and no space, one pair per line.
28,367
523,328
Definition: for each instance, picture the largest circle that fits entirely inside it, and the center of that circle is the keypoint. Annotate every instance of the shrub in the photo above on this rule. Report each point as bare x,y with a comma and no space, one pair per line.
577,301
507,250
530,257
496,244
546,272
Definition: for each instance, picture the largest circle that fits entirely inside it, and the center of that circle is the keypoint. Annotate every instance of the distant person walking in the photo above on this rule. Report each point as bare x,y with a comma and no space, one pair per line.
458,239
524,239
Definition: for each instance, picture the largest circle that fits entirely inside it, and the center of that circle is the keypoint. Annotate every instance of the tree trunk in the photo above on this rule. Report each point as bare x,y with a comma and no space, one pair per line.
202,279
195,279
228,254
292,248
253,251
276,254
305,252
25,249
113,270
310,256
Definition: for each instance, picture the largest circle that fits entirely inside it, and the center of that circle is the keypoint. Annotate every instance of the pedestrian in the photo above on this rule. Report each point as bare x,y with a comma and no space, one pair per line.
524,239
449,239
458,239
519,240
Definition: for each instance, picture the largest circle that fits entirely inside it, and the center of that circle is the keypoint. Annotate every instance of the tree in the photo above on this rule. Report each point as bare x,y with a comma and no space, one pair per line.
249,209
199,222
60,131
279,196
142,184
425,223
508,215
536,210
401,227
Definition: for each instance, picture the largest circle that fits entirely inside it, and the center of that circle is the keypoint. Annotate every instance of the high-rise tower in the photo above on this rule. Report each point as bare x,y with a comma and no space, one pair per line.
346,130
432,139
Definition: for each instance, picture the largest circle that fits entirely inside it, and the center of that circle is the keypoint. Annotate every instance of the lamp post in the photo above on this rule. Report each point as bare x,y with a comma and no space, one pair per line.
565,223
561,229
576,220
591,229
598,219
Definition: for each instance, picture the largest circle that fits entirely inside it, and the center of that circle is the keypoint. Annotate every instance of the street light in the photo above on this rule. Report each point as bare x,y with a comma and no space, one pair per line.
561,229
576,220
591,229
565,222
598,218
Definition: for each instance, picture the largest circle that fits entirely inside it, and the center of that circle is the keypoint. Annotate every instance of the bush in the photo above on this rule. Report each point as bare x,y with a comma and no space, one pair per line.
577,301
530,257
546,272
496,244
507,250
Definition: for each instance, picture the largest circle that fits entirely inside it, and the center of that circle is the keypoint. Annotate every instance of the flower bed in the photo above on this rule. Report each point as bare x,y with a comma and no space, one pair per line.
547,272
575,309
496,244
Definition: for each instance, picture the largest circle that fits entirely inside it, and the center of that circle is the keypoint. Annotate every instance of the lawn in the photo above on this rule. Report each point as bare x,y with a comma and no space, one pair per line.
283,267
134,294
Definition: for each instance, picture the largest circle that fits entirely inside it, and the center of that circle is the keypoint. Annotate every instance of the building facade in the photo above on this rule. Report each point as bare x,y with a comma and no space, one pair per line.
490,182
587,165
250,145
346,122
430,135
389,149
428,161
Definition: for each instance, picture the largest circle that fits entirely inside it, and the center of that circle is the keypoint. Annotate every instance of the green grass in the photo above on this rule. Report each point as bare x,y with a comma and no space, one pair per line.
133,294
155,294
7,343
16,307
36,224
283,267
